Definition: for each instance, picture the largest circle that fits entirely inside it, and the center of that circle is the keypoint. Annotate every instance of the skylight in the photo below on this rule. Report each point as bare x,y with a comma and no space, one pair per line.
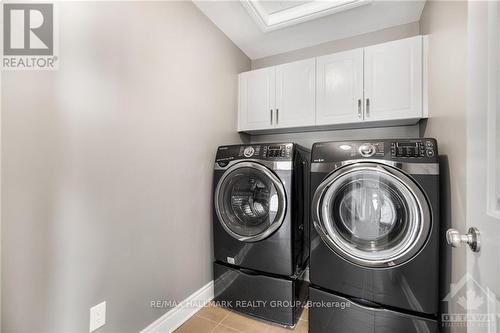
272,15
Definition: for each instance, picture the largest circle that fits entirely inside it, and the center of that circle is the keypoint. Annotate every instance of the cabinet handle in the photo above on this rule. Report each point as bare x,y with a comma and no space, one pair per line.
277,116
367,107
271,116
359,109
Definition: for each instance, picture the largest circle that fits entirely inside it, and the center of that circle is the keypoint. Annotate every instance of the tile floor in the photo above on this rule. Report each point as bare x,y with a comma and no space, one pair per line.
213,319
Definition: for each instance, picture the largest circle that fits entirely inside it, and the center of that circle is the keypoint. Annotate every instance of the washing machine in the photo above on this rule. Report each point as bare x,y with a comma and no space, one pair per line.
261,229
374,244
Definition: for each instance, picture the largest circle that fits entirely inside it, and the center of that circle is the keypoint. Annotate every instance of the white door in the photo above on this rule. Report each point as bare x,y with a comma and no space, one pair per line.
295,100
393,80
480,287
256,99
483,153
339,88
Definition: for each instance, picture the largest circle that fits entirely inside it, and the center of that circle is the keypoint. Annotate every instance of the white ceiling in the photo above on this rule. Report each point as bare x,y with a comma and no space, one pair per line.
236,22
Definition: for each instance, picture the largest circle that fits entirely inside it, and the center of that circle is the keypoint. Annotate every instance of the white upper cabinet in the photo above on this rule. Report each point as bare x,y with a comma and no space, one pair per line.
378,85
393,80
256,99
295,94
339,88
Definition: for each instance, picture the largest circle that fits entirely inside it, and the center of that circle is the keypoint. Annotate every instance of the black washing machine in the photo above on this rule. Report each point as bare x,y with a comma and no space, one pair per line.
374,245
261,229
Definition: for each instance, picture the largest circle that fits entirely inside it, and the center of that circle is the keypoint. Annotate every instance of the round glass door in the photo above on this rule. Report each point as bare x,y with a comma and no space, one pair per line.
250,201
372,215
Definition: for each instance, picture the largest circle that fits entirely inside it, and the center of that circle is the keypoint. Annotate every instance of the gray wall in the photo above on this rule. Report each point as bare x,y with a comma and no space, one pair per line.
107,165
376,37
446,24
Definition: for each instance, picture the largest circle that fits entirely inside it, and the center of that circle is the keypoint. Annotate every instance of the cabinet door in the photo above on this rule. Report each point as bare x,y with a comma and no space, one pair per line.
256,99
339,88
393,80
295,101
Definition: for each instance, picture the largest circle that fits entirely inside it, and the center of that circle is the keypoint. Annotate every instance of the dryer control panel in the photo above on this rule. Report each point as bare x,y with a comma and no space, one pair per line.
422,150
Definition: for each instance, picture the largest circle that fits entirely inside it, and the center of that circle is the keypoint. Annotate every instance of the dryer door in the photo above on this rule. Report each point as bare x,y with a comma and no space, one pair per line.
250,201
372,215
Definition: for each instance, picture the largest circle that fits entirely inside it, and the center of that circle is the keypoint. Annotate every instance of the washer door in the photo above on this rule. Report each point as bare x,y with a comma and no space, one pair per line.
372,215
250,201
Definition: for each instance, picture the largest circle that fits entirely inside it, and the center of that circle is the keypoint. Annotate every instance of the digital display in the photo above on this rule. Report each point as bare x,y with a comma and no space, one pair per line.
407,144
408,149
274,147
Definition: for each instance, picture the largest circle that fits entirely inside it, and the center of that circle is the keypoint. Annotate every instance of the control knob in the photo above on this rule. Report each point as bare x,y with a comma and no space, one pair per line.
248,152
367,150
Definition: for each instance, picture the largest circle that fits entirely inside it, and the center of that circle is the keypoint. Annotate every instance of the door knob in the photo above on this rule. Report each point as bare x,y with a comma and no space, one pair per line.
472,238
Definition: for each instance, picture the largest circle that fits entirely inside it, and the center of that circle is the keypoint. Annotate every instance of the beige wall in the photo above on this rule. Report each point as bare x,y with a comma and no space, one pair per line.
446,24
376,37
107,165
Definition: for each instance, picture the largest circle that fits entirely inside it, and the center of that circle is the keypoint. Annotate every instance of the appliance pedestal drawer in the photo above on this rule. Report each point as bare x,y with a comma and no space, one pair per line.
329,313
270,298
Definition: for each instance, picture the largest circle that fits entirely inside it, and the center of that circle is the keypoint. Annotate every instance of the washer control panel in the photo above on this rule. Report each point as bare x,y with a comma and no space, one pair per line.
275,151
279,151
248,151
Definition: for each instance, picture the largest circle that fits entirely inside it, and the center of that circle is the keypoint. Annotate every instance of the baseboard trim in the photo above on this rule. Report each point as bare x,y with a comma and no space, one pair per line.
174,318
